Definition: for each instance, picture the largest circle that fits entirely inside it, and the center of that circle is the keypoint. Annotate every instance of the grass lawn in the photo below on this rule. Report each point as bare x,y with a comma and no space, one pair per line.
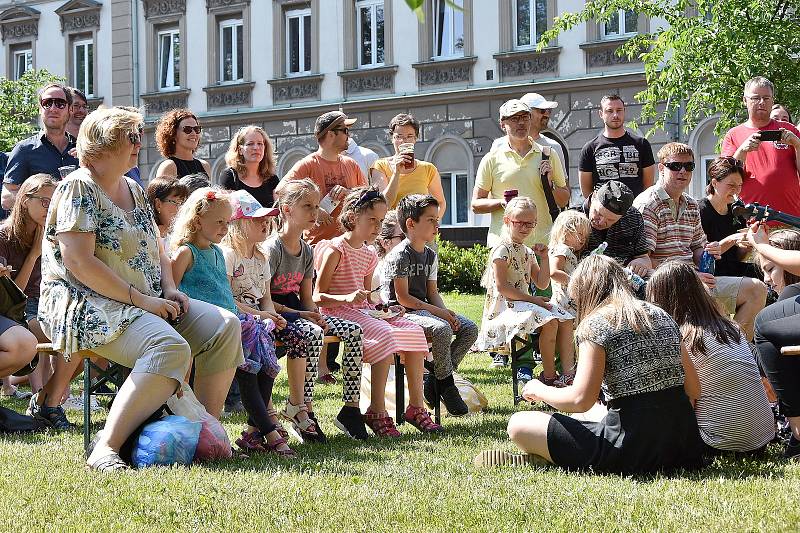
415,483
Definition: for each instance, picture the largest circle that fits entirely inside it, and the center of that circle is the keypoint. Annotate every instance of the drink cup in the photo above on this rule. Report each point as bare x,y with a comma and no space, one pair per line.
510,194
407,148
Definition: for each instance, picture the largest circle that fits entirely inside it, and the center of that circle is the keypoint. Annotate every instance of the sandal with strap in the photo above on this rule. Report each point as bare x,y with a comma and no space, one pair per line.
108,463
252,442
274,447
273,415
381,424
304,429
420,418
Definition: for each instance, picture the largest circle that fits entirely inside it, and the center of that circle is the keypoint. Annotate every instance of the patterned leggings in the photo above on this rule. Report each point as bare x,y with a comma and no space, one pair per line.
350,334
447,351
296,343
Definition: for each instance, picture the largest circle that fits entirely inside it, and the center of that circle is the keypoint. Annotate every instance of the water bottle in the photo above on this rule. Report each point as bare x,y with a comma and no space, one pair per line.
707,263
600,250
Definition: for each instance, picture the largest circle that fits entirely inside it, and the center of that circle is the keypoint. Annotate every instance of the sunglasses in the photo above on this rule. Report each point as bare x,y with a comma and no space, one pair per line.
675,166
189,129
136,137
60,103
346,131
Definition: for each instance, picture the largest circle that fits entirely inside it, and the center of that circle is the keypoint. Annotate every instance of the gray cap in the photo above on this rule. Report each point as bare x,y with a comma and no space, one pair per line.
513,107
615,196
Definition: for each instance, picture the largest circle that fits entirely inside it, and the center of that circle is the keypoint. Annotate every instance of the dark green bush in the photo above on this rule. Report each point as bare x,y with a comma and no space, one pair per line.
460,269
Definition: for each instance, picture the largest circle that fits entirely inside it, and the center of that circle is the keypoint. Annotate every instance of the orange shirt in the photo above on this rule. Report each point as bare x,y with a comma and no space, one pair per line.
326,174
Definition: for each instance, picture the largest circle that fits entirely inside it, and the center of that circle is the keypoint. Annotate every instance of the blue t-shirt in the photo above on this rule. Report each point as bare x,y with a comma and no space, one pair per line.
35,155
207,280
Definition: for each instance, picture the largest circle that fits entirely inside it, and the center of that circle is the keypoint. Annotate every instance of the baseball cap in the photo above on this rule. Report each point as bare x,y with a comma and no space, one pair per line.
327,121
245,206
512,107
615,196
538,101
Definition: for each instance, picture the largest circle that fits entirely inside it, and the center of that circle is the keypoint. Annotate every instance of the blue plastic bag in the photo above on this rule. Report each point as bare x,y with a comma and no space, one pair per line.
168,441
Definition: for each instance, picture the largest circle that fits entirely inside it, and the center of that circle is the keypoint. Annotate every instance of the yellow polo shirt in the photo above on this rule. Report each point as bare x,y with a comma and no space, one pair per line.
503,169
418,181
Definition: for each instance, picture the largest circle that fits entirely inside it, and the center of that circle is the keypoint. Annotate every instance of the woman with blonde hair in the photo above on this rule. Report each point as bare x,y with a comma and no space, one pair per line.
251,165
632,351
107,289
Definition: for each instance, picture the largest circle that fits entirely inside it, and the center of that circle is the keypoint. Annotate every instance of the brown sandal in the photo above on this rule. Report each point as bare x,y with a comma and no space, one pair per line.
274,448
420,418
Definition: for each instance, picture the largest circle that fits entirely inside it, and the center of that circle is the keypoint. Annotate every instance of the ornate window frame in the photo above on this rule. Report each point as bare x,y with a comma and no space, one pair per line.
228,94
161,15
19,28
80,21
294,88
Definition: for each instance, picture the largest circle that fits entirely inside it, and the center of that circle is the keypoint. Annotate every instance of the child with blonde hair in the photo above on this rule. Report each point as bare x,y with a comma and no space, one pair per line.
568,238
510,309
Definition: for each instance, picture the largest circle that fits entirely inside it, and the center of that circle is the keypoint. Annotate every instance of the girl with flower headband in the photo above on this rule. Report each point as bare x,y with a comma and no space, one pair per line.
345,265
198,267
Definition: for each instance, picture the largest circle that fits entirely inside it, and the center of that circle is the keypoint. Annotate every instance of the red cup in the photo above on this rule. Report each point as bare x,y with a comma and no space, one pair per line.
510,194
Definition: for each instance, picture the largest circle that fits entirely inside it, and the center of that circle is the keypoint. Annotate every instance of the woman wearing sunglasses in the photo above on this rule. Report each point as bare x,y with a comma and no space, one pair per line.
725,177
107,289
177,138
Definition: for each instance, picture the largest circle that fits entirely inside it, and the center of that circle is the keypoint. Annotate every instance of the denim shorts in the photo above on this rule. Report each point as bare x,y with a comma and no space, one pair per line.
31,308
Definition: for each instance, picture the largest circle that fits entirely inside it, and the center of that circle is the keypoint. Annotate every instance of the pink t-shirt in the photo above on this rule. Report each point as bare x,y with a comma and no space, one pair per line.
771,177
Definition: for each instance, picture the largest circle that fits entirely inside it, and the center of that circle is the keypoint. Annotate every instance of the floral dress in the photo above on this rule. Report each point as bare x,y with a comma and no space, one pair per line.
72,315
560,291
503,319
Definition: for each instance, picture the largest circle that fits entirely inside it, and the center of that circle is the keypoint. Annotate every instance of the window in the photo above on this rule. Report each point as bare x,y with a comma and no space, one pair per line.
370,24
530,22
457,191
298,41
83,66
448,33
23,62
231,50
624,23
169,59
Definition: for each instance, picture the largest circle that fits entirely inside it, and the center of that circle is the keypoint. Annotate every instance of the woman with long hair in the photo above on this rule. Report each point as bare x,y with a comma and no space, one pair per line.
177,139
251,165
632,351
733,412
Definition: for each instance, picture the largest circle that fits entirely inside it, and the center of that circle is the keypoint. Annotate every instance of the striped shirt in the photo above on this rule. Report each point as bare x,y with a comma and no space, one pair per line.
671,230
733,412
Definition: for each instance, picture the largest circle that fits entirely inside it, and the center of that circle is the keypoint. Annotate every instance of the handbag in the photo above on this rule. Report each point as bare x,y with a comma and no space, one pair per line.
552,206
12,301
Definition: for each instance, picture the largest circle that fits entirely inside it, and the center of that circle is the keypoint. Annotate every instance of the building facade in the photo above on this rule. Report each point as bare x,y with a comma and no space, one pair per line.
281,63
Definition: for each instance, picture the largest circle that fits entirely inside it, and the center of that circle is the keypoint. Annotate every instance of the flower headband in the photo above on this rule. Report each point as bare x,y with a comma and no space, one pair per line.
211,196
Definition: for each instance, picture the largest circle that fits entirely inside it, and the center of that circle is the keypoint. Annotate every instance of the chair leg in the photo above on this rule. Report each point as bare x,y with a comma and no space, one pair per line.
437,405
87,408
400,390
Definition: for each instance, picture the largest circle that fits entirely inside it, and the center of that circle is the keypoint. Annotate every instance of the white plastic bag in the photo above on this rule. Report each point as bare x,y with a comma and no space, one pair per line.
187,406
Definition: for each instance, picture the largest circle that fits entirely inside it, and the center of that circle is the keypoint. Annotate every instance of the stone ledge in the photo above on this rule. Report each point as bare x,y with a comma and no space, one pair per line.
161,102
601,54
527,63
445,71
368,80
296,88
226,95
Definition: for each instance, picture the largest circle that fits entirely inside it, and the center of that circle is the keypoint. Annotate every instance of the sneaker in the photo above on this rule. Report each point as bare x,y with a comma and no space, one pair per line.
490,458
73,403
499,360
429,389
18,394
320,436
351,423
453,402
564,380
33,406
54,417
381,424
550,382
792,450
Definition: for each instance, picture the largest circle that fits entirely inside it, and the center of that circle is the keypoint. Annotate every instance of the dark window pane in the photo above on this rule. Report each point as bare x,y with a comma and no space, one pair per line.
80,67
176,58
379,33
239,52
631,22
447,219
306,42
90,69
541,18
294,44
462,199
366,35
523,22
164,63
439,25
227,53
612,26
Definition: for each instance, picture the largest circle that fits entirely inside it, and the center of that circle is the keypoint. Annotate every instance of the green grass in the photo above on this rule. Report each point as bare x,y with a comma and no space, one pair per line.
416,483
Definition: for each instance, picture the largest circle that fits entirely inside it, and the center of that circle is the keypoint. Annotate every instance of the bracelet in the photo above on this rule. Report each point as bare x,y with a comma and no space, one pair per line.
130,292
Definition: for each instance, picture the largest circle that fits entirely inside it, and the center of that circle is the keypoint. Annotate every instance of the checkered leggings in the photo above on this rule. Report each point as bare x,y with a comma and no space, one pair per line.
350,334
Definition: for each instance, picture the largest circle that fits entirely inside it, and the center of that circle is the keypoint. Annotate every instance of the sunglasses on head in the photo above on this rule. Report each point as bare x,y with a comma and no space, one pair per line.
135,137
60,103
675,166
189,129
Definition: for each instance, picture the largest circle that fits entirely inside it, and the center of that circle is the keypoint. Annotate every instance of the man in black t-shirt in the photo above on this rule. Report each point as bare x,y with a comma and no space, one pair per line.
616,154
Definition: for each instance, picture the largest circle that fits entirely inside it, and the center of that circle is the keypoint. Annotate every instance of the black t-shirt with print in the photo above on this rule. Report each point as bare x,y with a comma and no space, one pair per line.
717,227
621,159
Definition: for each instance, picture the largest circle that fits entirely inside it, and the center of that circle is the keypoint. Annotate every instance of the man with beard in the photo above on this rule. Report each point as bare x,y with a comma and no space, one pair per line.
616,154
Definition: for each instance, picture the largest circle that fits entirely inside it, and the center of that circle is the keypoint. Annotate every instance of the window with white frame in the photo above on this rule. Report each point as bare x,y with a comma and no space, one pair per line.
624,23
370,28
22,62
457,194
448,28
83,66
298,41
530,22
231,50
169,59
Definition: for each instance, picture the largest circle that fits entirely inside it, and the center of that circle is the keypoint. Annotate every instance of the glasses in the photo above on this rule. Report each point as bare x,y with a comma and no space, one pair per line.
518,118
346,131
135,137
80,106
44,200
410,138
756,99
60,103
176,203
189,129
523,225
676,166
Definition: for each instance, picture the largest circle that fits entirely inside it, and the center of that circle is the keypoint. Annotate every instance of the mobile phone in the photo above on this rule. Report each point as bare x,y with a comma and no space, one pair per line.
770,135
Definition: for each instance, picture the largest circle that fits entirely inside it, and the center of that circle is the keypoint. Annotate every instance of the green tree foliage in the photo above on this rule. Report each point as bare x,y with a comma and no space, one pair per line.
19,106
460,269
705,53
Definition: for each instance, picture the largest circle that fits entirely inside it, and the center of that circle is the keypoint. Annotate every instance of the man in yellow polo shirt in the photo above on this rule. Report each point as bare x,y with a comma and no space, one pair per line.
518,165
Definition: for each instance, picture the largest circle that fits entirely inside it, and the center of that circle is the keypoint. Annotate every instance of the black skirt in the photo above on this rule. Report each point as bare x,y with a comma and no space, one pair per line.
645,433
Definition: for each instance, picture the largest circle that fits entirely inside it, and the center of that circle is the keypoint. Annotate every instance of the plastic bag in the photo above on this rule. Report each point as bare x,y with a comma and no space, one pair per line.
187,406
169,441
214,442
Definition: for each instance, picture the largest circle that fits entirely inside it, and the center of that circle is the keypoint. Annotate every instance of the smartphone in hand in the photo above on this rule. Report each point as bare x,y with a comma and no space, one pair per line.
770,135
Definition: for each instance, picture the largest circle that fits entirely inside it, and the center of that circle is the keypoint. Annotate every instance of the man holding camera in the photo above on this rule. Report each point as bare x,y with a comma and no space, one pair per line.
770,150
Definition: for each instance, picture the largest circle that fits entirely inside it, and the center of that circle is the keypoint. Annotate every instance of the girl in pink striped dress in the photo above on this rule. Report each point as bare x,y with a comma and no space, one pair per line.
345,265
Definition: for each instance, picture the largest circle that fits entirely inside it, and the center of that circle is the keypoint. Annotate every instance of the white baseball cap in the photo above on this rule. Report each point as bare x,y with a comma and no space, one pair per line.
538,101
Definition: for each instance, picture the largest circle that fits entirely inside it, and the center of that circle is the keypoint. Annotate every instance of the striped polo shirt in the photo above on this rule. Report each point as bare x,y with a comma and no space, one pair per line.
671,229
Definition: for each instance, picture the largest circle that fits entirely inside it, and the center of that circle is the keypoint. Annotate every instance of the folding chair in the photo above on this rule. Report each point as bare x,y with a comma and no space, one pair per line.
519,346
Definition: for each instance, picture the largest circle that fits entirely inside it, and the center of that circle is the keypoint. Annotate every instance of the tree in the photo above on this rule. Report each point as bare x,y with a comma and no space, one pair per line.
701,59
19,106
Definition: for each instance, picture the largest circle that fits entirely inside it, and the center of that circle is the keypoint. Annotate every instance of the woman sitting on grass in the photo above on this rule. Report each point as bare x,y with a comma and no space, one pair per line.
633,350
733,412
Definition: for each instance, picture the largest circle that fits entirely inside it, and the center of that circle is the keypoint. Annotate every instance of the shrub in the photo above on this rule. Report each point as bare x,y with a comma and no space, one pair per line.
460,269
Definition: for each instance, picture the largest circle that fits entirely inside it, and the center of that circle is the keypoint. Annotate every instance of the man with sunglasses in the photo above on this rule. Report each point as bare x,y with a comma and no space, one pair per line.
771,166
674,230
334,173
45,151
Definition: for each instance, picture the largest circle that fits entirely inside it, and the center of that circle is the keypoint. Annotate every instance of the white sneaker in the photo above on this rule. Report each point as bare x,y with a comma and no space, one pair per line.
73,403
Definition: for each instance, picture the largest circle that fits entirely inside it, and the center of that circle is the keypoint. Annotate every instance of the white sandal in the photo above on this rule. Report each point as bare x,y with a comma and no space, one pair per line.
304,429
